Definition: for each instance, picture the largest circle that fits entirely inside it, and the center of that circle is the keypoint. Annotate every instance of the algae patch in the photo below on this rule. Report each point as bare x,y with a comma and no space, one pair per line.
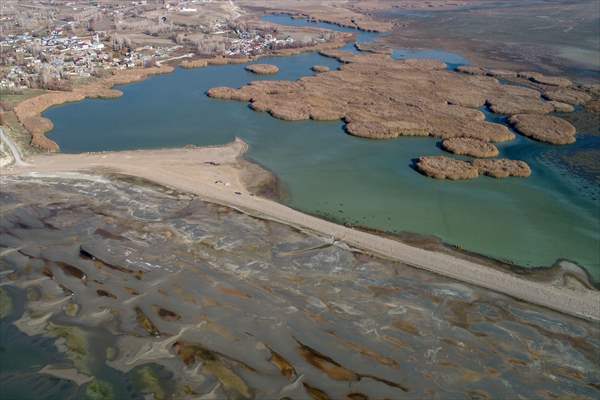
6,304
149,383
75,344
145,322
99,390
214,364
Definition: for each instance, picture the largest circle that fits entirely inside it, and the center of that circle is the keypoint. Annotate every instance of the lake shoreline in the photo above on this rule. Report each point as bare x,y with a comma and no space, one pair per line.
267,185
217,178
29,111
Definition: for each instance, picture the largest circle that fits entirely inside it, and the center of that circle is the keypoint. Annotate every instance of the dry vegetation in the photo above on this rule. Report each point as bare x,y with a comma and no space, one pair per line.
425,99
544,128
441,167
470,147
262,69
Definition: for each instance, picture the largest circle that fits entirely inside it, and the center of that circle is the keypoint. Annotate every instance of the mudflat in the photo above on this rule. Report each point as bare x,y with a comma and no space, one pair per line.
146,289
216,174
556,37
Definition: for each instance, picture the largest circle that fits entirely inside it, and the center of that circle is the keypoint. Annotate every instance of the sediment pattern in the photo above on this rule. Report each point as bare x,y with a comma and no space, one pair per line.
231,306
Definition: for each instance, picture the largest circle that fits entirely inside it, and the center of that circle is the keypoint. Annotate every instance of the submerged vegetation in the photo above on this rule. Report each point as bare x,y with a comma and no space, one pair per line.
99,390
6,304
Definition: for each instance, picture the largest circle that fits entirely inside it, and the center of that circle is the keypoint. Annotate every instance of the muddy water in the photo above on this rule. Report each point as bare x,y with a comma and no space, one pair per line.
144,290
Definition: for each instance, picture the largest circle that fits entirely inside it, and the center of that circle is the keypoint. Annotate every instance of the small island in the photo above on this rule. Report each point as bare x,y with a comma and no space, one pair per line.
320,68
441,167
544,128
427,99
470,147
262,69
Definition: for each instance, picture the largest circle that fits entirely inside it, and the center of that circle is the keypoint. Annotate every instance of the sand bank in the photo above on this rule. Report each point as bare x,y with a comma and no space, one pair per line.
70,374
216,174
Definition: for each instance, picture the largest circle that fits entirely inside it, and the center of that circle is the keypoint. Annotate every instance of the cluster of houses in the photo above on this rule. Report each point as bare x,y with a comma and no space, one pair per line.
249,44
53,57
34,61
30,61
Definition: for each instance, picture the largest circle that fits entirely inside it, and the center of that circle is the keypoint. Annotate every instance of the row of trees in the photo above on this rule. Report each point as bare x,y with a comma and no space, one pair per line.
204,45
213,46
120,42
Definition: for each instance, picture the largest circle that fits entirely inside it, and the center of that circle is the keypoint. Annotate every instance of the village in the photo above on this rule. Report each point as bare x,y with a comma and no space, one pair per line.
92,39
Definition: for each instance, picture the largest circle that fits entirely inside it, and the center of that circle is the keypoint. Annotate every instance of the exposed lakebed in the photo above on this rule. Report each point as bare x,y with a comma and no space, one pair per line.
530,222
147,291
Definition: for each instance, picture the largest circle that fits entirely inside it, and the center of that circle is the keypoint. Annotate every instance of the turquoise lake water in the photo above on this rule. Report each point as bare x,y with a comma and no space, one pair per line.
531,222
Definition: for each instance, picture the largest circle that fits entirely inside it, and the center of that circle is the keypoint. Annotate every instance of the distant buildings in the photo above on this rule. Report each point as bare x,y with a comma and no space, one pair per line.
90,38
33,62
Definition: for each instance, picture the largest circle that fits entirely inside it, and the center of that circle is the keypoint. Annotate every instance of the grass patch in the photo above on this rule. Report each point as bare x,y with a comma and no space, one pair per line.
11,98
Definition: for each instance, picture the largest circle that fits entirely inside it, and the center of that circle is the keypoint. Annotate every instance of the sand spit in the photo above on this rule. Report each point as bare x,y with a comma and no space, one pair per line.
544,128
441,167
470,147
262,69
214,174
29,111
71,374
236,306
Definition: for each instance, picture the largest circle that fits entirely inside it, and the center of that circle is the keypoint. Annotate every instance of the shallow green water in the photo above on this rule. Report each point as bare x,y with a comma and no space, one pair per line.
531,222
